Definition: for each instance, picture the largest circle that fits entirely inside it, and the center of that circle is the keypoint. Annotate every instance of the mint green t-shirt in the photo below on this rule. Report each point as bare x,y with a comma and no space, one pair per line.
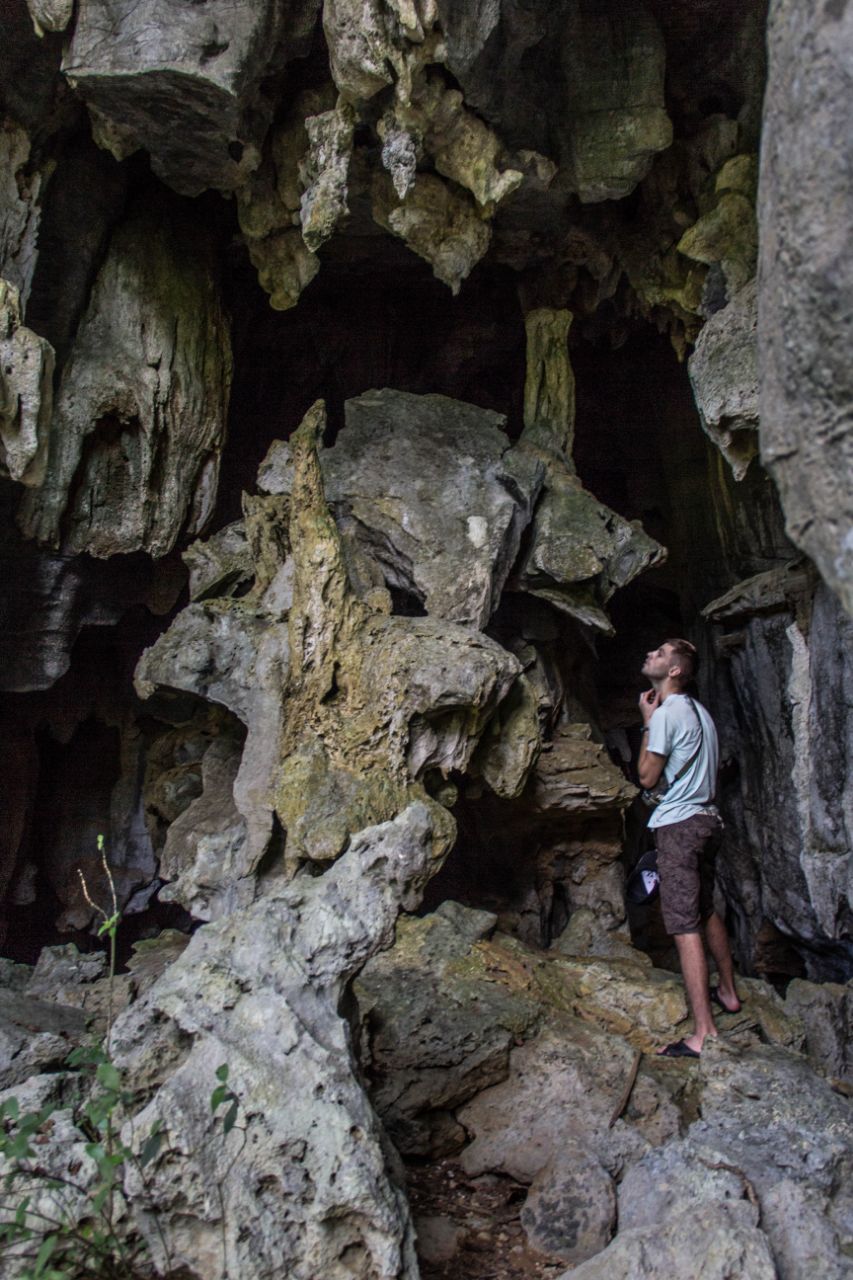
674,732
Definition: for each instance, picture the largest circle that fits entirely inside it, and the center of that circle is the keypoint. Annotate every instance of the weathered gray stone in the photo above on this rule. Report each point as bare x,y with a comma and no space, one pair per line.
433,492
140,414
434,1032
724,376
826,1011
20,208
581,552
303,1180
806,282
575,774
723,1237
726,235
570,1210
26,393
788,844
220,564
35,1035
324,173
188,87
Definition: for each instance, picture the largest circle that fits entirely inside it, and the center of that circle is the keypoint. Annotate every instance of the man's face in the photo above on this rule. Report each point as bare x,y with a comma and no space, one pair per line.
658,663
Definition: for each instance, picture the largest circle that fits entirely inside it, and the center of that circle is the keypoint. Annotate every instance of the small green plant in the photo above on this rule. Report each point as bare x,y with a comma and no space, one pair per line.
67,1226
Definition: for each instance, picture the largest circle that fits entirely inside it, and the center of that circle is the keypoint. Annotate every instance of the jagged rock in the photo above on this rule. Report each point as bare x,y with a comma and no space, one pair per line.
225,652
20,209
510,746
549,385
310,1191
190,90
346,707
728,233
771,1117
580,551
613,63
806,283
779,588
464,149
219,565
140,413
434,1033
26,393
584,935
324,173
826,1011
570,1210
790,649
724,1237
765,1136
50,15
204,844
35,1035
269,203
437,224
372,44
432,491
575,774
560,1093
724,376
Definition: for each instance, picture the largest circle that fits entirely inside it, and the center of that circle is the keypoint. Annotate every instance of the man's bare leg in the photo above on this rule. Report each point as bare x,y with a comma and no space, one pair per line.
718,942
694,967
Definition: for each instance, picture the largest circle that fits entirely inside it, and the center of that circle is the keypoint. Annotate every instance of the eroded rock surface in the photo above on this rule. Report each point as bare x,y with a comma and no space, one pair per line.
188,89
805,283
139,421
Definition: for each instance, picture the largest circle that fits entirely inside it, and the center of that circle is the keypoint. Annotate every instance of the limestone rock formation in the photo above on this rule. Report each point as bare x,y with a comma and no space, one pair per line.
26,393
724,377
188,89
20,213
139,422
805,283
431,491
580,551
345,706
613,64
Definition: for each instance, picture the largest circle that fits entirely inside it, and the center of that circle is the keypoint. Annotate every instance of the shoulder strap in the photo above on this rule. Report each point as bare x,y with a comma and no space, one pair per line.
690,763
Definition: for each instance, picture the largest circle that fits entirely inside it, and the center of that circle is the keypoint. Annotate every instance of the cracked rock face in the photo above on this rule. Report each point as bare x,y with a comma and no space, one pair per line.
806,283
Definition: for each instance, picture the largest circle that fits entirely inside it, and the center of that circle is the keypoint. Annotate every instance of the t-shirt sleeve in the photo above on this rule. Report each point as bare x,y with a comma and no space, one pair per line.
660,733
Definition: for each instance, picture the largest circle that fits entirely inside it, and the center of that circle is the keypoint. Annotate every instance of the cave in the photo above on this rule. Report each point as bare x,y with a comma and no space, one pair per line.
379,385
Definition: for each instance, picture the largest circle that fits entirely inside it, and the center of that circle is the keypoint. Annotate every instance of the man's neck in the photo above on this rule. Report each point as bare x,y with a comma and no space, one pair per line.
666,687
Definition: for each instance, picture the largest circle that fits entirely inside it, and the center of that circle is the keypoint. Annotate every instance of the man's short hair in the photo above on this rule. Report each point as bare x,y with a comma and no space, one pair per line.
688,658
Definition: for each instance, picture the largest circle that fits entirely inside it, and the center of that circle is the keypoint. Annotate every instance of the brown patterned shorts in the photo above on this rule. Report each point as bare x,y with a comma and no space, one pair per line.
687,855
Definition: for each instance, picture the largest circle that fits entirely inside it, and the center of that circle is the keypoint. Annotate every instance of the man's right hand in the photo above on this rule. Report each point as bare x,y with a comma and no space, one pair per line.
649,703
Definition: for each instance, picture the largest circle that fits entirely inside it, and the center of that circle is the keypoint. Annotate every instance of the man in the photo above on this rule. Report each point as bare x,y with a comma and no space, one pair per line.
679,740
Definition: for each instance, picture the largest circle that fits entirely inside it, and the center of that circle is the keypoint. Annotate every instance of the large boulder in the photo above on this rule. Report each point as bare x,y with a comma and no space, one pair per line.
806,282
304,1182
433,492
188,86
